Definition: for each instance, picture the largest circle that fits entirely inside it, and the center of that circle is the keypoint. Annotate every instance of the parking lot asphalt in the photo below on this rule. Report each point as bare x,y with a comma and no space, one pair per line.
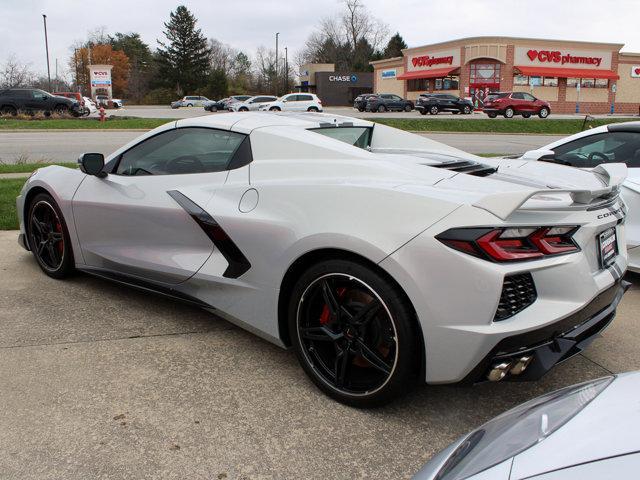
67,146
98,380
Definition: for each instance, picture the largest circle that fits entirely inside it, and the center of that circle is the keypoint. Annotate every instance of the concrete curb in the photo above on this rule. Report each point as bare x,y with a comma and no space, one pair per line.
7,176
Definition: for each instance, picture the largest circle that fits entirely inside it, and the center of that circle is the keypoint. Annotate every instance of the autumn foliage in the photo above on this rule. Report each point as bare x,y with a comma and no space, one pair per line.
103,54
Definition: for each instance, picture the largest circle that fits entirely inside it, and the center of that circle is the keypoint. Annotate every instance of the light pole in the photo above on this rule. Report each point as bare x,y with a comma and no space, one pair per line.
286,70
46,46
277,34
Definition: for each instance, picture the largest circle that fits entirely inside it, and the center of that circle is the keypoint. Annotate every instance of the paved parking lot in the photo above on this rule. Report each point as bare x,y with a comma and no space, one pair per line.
100,380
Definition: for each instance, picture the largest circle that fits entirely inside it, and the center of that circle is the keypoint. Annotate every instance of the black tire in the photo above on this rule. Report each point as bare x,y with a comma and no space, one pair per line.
61,109
48,237
243,109
312,109
275,109
492,115
544,112
379,352
526,115
433,110
407,108
361,109
509,112
213,109
466,110
8,110
381,108
189,104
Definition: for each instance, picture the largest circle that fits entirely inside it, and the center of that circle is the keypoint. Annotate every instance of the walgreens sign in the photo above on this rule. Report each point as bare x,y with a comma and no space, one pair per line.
425,61
568,58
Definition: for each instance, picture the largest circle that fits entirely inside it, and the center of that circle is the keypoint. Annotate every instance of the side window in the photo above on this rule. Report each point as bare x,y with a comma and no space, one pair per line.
291,98
528,97
38,95
517,96
182,150
305,98
593,150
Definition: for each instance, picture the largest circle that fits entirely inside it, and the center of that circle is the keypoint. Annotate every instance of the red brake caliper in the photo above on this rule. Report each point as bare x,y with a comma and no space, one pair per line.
61,242
325,316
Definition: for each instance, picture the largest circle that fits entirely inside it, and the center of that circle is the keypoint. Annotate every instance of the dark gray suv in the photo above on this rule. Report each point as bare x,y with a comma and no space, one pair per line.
29,100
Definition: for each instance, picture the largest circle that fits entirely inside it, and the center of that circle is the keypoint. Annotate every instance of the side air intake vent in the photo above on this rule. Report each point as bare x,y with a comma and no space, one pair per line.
466,166
518,292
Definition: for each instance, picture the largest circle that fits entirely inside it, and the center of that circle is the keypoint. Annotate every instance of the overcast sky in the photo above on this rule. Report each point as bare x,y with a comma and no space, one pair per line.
246,24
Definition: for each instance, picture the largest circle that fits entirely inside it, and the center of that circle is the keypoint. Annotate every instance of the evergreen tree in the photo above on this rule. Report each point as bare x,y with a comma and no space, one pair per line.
184,61
395,46
217,85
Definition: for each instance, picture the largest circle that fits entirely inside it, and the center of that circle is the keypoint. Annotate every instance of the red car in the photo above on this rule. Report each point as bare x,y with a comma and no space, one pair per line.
515,103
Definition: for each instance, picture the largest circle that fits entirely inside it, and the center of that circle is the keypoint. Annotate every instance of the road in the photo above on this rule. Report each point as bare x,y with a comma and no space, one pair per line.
99,380
67,146
159,111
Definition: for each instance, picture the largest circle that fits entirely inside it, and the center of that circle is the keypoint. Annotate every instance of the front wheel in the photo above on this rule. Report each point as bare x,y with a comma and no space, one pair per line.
466,110
353,332
382,108
407,108
274,109
509,112
48,237
433,110
243,109
543,113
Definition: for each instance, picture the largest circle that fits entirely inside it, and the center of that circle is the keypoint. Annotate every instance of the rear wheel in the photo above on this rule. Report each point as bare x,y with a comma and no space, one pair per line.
48,237
353,332
274,109
543,113
8,110
361,109
509,112
382,108
407,108
312,109
466,110
433,110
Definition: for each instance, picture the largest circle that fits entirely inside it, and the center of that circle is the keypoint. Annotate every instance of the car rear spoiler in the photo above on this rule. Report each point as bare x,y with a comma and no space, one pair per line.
503,204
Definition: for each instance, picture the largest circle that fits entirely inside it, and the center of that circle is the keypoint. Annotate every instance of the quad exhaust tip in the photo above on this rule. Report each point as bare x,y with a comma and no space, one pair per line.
509,367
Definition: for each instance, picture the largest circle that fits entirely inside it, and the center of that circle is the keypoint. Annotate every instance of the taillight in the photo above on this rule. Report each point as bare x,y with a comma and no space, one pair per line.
319,102
511,244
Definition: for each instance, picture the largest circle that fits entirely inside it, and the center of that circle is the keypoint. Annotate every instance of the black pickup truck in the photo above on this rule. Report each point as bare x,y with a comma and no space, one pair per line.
434,103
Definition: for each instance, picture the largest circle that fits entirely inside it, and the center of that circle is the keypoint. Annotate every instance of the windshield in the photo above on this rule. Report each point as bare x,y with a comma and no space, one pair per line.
357,136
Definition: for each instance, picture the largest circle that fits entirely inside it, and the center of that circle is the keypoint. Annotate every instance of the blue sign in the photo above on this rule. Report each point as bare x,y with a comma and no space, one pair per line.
389,73
354,78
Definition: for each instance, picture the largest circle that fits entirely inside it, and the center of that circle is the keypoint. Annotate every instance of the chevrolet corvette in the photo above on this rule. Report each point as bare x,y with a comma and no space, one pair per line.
381,257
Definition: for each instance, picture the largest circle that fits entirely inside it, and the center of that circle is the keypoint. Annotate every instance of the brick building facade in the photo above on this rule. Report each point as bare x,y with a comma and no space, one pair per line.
572,76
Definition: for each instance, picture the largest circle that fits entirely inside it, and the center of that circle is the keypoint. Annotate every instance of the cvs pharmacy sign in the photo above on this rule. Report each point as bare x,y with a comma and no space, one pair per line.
556,56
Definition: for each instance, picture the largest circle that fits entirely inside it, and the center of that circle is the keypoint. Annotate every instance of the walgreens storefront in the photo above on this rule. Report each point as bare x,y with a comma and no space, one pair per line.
588,77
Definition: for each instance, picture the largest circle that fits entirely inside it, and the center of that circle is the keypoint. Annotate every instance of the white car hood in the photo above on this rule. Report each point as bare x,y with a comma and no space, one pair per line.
606,427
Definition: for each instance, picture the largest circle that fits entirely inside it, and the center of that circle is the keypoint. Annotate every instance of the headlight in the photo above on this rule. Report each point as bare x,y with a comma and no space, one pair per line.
518,429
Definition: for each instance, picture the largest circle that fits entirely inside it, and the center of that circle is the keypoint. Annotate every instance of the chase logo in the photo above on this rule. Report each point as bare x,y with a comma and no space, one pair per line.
343,78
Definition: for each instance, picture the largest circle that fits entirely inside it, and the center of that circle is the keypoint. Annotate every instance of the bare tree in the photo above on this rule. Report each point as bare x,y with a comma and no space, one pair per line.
222,55
15,74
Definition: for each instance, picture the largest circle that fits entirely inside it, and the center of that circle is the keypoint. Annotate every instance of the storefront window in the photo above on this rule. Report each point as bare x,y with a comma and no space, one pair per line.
588,82
602,83
572,82
550,81
447,83
535,81
418,84
521,80
484,73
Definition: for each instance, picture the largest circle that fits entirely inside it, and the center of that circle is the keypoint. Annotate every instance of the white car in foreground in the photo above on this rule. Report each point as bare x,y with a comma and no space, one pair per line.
251,103
616,142
294,102
380,256
583,432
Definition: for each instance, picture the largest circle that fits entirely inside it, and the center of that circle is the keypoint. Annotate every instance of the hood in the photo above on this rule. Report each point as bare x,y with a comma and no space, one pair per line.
606,427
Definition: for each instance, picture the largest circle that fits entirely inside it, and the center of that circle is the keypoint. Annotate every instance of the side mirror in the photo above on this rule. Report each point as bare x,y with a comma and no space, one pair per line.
538,155
92,164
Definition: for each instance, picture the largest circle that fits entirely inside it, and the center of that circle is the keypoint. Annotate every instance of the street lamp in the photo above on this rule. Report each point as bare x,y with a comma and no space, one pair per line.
277,34
46,46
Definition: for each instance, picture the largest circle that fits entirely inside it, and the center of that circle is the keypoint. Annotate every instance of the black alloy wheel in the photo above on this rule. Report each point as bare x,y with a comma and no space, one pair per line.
356,344
48,237
407,108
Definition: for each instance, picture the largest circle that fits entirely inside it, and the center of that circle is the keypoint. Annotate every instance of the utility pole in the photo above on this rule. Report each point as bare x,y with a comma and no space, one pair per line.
57,82
286,69
46,46
75,61
277,34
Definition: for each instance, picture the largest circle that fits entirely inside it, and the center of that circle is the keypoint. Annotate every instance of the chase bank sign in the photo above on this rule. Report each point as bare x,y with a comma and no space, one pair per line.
343,78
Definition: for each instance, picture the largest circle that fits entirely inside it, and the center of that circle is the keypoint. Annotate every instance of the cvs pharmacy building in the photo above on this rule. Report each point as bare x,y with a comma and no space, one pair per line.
572,76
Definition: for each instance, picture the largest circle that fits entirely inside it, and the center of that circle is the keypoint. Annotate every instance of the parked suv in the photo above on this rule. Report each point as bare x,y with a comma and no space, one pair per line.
294,102
16,100
360,102
515,103
190,101
383,102
434,103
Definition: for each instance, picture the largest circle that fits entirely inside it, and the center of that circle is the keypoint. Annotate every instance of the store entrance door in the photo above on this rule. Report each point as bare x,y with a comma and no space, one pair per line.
480,91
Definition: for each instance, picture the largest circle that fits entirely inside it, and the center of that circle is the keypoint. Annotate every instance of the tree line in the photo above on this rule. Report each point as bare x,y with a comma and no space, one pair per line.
185,62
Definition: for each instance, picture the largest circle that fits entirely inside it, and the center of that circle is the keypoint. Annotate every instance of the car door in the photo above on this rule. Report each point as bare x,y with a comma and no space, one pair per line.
529,103
39,100
517,102
303,102
134,222
397,102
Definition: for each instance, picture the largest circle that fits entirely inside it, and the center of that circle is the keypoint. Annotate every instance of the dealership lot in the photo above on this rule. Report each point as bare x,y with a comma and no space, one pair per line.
100,379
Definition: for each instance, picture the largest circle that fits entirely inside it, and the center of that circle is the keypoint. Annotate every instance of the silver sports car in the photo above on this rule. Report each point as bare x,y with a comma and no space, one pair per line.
583,432
380,256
